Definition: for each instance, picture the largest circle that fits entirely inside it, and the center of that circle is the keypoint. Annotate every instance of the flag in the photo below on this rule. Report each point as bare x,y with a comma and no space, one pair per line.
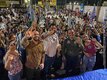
93,14
29,11
31,14
82,8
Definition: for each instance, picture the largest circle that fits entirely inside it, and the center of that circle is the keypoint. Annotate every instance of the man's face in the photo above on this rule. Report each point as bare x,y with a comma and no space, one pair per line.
71,33
12,45
36,36
53,28
85,37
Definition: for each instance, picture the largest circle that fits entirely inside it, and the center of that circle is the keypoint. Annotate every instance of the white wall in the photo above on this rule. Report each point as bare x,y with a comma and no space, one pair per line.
90,9
86,8
76,6
102,14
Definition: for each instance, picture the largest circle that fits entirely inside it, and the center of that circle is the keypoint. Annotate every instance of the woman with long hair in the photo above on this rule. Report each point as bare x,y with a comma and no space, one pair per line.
12,62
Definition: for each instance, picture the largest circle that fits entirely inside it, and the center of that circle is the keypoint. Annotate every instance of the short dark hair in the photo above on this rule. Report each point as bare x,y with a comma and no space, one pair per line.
0,19
52,25
82,33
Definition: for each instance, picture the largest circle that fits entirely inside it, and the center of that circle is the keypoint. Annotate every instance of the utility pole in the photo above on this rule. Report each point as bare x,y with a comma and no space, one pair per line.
104,45
104,39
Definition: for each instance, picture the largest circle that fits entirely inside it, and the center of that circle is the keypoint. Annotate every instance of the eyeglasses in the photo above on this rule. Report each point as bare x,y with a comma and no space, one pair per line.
13,44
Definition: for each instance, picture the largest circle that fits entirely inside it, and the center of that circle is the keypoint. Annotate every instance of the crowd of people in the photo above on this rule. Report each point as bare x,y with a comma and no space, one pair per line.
62,43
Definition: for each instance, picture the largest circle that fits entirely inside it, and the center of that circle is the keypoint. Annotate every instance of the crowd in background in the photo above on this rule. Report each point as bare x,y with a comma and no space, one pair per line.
56,44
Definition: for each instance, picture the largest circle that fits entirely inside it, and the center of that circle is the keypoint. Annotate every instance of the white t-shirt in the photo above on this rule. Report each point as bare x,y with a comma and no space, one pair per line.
2,25
50,44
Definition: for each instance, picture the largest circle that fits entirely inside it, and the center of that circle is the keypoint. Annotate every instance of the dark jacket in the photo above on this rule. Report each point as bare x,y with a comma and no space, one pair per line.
71,48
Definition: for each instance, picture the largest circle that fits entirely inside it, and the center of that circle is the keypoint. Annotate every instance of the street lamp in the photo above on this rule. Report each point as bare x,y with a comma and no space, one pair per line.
74,3
77,3
26,1
70,5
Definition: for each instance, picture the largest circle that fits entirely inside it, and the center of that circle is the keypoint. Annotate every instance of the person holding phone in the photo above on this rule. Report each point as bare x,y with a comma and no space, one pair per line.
13,63
34,56
90,49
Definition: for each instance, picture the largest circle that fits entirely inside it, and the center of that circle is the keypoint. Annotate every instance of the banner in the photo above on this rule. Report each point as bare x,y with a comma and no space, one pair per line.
53,2
82,7
3,3
105,15
92,15
40,3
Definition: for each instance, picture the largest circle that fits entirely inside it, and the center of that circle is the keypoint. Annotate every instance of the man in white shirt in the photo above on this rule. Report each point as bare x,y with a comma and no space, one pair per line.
2,24
51,43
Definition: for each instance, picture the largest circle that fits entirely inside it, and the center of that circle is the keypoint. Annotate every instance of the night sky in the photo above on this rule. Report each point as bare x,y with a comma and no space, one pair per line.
86,2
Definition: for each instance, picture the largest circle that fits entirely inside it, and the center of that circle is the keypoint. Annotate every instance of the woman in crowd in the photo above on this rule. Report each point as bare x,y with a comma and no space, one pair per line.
90,52
12,62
